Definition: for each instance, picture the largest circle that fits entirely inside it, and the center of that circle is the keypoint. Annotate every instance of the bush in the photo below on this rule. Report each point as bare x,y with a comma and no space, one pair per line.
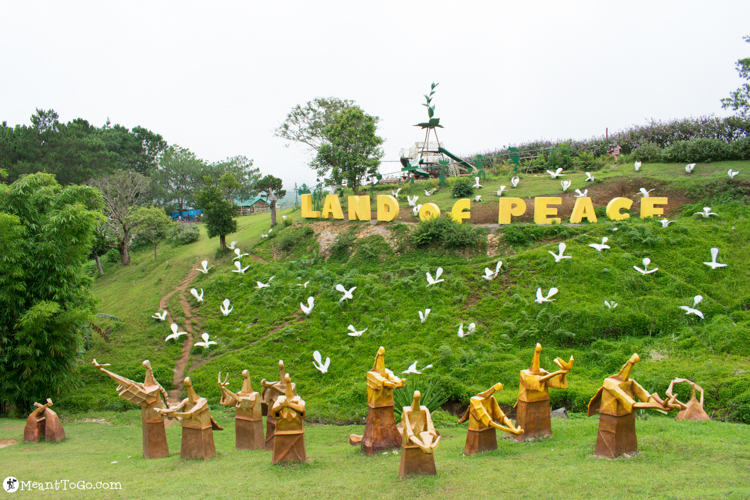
113,256
697,150
524,234
648,152
444,232
182,234
290,238
462,188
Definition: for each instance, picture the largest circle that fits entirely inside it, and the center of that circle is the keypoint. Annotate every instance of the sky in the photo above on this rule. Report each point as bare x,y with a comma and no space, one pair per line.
218,77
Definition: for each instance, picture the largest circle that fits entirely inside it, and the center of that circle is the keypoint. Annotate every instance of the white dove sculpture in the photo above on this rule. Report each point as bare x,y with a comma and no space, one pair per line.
416,210
500,190
259,284
347,293
733,173
581,194
689,168
665,222
310,304
489,275
206,343
160,317
284,217
514,181
353,332
239,254
266,235
478,198
589,177
610,305
692,310
713,264
239,267
600,246
232,245
225,309
318,363
565,185
645,269
706,213
194,292
303,284
395,193
431,281
175,334
423,315
540,299
204,269
557,173
429,193
644,193
413,369
637,166
476,183
559,256
412,200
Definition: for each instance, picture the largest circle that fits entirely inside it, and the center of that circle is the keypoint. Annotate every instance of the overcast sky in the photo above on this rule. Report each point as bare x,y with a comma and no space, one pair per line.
218,77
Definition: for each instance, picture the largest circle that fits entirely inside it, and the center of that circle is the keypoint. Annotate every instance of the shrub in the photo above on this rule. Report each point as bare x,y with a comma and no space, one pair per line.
342,247
524,234
290,238
432,395
113,256
462,188
697,150
444,232
648,152
182,234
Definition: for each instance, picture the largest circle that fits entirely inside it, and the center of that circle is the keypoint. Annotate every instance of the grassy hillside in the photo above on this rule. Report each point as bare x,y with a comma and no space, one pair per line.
266,324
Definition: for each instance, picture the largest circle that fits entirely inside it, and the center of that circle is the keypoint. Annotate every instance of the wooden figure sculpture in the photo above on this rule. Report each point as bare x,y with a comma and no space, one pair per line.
43,422
484,416
693,410
197,424
270,392
381,432
615,402
420,440
248,417
289,439
532,407
149,396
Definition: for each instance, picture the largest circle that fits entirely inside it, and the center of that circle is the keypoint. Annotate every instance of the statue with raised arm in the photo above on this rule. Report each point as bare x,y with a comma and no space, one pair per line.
420,440
381,432
248,416
43,422
149,395
269,393
532,407
289,439
197,424
616,403
693,410
484,416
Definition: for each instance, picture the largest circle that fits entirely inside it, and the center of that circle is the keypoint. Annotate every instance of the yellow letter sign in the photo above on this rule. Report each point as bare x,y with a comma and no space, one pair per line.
615,205
649,210
583,208
510,206
458,214
387,207
306,207
332,208
542,211
359,208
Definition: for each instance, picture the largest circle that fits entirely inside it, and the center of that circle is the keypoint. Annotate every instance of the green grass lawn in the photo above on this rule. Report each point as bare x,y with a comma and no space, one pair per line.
677,460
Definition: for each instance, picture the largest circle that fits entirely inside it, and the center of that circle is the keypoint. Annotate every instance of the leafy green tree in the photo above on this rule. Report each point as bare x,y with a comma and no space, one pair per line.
152,224
739,100
99,247
305,123
177,176
272,187
352,149
46,234
218,211
242,170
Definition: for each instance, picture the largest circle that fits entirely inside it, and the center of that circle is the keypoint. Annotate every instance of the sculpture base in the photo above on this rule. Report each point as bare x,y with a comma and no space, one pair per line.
154,440
270,431
198,443
33,431
533,418
380,431
415,461
616,436
480,441
248,434
48,427
692,412
289,448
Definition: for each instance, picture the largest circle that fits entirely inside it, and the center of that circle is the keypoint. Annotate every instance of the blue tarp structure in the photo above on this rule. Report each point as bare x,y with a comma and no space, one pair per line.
186,214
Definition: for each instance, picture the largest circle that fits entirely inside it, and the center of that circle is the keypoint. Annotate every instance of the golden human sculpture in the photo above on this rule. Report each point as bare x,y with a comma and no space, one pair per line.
616,404
693,410
197,424
149,395
269,393
420,440
289,439
532,407
381,432
248,416
43,423
484,416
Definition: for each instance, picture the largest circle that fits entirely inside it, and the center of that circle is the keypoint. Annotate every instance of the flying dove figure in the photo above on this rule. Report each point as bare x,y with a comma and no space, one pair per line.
318,363
431,281
310,304
194,292
206,343
239,254
541,299
665,222
589,177
489,275
692,310
581,194
713,264
557,173
559,256
732,173
476,183
395,193
600,246
259,284
203,268
610,305
412,200
637,166
565,185
478,198
706,213
353,332
645,193
429,193
175,334
413,369
423,315
232,245
416,210
348,294
265,235
224,307
239,267
645,269
514,181
160,317
689,168
500,191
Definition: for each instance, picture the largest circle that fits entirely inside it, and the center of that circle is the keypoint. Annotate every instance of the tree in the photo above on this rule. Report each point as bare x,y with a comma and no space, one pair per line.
272,187
178,175
46,234
152,224
352,150
305,124
99,247
122,192
242,170
739,100
218,212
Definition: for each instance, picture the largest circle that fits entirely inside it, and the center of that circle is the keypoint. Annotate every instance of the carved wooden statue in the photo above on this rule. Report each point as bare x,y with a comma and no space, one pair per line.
43,423
532,407
484,416
693,410
269,393
248,417
149,396
197,424
289,439
420,440
381,432
615,402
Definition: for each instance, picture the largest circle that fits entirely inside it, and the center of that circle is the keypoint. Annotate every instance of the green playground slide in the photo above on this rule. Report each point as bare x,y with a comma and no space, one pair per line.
457,159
